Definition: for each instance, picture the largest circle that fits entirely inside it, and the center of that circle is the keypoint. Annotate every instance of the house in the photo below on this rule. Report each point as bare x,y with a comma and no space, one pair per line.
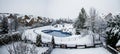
29,22
20,20
39,19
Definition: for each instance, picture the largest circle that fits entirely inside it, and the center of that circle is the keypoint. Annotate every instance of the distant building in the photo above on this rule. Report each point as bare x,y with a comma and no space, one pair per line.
29,20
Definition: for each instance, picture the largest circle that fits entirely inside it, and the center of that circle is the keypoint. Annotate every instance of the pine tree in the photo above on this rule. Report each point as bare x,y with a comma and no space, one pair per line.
80,22
38,40
82,17
113,35
5,25
53,42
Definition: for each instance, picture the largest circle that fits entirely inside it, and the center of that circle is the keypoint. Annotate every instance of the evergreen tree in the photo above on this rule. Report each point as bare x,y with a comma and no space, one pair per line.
5,25
53,42
38,40
113,35
80,22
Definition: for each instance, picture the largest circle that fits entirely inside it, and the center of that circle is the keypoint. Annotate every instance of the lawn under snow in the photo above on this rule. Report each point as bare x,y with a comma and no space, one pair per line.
99,50
4,49
31,34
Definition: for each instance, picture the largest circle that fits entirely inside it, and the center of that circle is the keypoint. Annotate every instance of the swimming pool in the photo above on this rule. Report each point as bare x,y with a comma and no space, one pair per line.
57,33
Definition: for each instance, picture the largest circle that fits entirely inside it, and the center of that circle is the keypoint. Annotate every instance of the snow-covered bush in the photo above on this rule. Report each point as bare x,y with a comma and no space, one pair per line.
113,31
6,38
22,48
29,35
38,40
4,26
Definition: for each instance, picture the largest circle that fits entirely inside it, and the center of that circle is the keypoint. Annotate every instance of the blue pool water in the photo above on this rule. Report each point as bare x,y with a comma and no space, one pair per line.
57,33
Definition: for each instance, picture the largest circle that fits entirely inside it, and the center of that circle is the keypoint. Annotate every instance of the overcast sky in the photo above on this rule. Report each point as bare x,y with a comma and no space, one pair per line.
58,8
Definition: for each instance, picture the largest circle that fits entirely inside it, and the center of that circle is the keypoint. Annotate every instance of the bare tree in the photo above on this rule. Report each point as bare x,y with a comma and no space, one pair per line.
22,48
93,15
15,22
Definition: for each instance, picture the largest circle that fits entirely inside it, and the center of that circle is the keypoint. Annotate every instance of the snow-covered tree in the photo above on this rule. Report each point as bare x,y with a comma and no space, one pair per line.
113,31
100,26
80,22
53,42
15,22
93,16
11,23
38,40
5,24
96,23
22,48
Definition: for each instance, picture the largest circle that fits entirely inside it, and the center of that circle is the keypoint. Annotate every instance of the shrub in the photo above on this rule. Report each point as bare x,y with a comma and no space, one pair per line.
38,41
22,48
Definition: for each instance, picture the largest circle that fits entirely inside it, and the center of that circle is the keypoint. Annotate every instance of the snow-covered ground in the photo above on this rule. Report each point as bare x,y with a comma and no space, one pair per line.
83,39
31,34
4,49
99,50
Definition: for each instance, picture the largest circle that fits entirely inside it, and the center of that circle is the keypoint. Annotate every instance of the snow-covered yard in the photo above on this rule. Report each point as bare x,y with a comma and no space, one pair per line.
99,50
4,49
73,39
86,38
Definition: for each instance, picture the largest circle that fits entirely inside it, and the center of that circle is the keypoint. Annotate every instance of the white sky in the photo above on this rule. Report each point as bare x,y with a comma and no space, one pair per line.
58,8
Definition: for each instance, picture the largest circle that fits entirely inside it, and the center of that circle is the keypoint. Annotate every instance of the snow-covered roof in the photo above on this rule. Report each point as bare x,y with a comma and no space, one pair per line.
28,20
